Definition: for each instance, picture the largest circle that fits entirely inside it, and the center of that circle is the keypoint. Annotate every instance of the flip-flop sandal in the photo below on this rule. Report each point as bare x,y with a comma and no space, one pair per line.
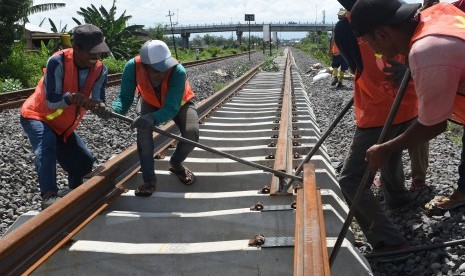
182,175
145,190
440,199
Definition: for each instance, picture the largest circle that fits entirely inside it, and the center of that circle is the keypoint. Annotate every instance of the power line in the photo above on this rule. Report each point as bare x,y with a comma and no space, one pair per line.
172,33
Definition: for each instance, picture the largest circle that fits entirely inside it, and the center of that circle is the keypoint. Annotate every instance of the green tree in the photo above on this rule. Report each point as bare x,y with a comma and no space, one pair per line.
209,39
158,32
197,41
55,29
39,8
120,38
10,12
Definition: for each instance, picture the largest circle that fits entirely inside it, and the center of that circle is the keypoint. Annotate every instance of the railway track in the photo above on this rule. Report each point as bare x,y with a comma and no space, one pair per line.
15,99
235,220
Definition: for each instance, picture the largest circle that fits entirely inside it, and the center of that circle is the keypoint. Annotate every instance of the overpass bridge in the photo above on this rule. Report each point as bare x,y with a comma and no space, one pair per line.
239,28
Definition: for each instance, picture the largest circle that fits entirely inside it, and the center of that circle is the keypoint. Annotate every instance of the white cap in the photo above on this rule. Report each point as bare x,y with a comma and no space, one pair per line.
157,54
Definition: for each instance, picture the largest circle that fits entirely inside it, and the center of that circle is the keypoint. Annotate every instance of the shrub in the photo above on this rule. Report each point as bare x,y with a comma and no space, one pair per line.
213,51
23,66
10,85
114,65
270,65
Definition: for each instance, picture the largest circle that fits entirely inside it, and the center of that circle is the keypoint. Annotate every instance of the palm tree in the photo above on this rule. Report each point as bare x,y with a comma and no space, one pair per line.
36,9
40,8
120,38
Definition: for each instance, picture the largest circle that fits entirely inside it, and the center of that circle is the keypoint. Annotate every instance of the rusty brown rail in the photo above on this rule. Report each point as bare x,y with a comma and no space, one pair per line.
310,252
26,248
33,242
15,99
283,157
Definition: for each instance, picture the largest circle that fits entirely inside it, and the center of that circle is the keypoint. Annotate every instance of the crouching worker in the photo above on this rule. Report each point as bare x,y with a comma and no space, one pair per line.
74,82
165,95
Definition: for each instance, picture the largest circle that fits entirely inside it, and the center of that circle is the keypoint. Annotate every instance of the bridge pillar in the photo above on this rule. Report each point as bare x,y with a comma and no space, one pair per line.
239,36
185,40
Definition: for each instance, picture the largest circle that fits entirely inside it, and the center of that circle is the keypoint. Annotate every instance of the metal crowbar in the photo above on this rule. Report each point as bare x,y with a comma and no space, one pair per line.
320,141
212,150
367,179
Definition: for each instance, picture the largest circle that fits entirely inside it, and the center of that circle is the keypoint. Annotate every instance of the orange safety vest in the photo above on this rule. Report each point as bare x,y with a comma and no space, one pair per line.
374,95
64,120
444,19
334,49
145,88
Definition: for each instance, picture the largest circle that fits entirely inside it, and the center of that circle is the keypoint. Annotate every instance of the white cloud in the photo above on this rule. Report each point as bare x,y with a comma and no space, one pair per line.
192,12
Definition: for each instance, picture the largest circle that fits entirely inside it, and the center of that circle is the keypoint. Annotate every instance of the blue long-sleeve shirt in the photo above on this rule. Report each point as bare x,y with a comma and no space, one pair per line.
173,98
54,84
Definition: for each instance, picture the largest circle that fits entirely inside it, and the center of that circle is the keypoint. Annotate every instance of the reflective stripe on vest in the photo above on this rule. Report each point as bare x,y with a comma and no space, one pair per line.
63,121
145,88
54,114
444,19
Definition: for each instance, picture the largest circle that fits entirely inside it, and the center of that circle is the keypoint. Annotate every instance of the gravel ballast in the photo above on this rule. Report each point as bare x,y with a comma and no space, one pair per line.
19,191
418,226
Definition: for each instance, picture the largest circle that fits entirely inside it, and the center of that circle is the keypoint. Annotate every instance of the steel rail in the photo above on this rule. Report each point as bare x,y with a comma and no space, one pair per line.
15,99
283,155
310,252
320,141
30,243
212,150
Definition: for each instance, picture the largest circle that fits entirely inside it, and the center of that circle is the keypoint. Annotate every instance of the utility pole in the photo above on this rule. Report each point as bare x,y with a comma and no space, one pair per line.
248,18
249,40
271,39
172,34
232,35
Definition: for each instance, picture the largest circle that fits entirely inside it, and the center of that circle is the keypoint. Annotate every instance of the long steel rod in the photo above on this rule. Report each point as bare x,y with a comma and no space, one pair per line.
207,148
321,141
367,179
414,249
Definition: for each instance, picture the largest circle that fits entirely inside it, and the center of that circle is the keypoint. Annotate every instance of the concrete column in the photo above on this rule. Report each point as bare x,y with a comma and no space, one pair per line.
185,40
239,36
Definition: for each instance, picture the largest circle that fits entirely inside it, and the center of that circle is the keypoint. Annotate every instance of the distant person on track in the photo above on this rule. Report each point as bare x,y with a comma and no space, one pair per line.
374,93
74,82
434,42
336,59
165,95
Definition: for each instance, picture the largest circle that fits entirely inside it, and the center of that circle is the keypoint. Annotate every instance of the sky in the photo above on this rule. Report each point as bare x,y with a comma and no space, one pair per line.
192,12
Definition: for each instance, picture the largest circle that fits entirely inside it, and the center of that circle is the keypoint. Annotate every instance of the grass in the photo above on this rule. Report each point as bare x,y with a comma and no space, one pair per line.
219,85
454,133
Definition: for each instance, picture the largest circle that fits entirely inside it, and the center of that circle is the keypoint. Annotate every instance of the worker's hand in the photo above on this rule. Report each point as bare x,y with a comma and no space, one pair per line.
102,111
78,99
145,121
376,156
395,71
